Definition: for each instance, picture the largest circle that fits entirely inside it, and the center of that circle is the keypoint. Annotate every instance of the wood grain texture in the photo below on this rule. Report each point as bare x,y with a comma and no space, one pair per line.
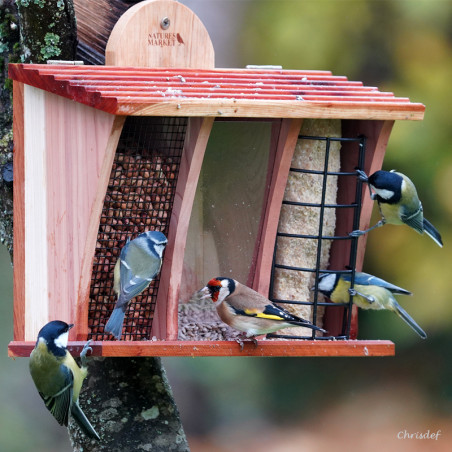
223,348
19,211
218,92
165,324
95,20
377,136
56,188
138,38
287,140
255,269
257,108
76,142
106,162
36,238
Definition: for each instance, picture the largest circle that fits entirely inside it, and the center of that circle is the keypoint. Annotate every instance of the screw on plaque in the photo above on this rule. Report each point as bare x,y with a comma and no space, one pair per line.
165,23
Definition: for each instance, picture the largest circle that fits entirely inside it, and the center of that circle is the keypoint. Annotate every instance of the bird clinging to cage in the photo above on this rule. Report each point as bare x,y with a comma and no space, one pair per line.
138,264
369,292
57,376
246,310
398,203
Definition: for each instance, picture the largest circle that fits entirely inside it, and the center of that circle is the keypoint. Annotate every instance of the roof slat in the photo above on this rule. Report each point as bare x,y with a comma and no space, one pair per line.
217,92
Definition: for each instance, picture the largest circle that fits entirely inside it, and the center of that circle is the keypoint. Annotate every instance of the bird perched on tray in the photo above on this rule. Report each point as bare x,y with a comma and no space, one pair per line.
369,292
246,310
398,203
139,263
57,376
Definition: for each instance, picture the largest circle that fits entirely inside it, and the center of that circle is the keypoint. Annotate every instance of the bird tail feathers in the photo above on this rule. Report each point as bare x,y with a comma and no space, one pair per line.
433,232
409,320
115,322
82,421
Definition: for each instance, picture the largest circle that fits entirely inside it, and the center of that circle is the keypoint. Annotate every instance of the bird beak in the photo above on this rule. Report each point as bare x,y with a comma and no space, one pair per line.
200,295
204,293
70,326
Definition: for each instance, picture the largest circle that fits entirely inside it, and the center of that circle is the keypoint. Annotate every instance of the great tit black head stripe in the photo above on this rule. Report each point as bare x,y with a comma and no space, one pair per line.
55,335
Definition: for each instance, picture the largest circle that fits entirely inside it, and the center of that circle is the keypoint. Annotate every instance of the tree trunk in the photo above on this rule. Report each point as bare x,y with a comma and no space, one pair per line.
47,30
9,48
130,404
128,400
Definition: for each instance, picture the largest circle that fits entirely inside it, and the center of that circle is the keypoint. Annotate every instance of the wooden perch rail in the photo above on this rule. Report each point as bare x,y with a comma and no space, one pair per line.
222,348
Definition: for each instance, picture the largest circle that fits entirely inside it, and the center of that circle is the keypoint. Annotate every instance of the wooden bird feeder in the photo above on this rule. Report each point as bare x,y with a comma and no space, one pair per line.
161,139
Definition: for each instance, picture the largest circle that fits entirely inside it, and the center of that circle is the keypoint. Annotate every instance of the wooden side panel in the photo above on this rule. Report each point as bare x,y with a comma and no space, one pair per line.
165,323
19,211
138,39
288,136
76,142
81,327
35,228
377,133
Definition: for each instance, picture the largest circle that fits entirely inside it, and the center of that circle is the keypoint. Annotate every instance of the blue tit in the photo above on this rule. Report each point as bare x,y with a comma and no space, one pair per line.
246,310
139,263
398,203
57,376
369,292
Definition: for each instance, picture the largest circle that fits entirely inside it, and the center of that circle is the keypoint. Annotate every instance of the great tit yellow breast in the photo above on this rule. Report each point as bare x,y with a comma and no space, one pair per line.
79,374
391,213
45,370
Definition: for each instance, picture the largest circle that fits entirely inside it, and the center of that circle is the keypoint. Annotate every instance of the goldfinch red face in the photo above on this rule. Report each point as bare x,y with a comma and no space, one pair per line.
217,289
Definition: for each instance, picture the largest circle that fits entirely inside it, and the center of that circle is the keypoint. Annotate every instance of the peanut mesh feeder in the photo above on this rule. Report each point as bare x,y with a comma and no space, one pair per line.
250,173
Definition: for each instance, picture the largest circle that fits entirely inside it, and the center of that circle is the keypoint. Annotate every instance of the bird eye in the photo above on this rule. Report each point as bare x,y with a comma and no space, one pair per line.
214,292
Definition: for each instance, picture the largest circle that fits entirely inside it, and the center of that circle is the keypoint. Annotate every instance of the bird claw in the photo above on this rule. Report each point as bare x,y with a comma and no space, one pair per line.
242,343
357,233
86,349
369,298
362,175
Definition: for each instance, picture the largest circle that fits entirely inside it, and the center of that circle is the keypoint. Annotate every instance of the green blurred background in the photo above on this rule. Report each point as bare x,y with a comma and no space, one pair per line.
315,404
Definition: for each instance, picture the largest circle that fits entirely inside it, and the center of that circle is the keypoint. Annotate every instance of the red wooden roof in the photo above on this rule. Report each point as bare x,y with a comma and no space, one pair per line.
217,92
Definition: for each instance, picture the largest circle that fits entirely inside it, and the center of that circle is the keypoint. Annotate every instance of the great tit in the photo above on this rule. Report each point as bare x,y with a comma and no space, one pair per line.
246,310
139,262
57,376
398,203
369,292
